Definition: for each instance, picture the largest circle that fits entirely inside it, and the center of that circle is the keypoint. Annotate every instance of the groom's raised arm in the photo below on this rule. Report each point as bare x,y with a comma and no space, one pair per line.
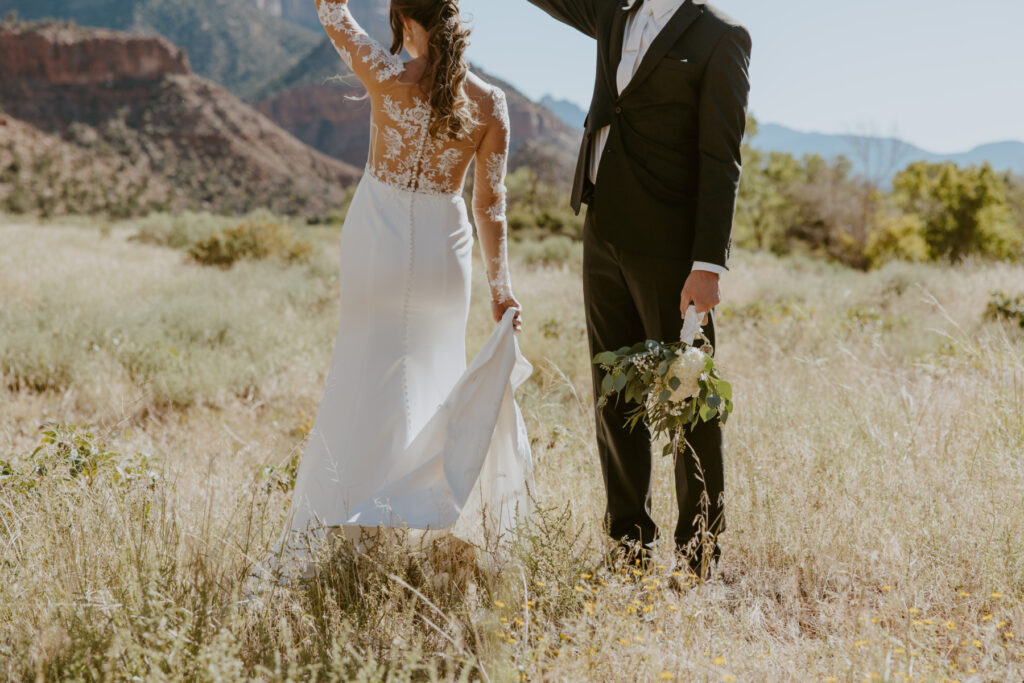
580,14
722,119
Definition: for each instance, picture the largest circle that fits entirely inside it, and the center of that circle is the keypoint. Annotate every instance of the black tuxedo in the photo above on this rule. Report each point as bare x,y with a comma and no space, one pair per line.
665,197
668,178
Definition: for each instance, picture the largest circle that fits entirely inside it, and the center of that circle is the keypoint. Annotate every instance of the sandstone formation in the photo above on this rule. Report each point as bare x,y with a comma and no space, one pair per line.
104,94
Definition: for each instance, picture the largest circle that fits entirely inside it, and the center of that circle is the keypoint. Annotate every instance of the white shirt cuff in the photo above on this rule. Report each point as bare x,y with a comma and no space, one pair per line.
710,267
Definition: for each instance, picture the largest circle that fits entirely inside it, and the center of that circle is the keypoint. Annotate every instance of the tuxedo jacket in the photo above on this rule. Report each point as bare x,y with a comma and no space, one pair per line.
669,175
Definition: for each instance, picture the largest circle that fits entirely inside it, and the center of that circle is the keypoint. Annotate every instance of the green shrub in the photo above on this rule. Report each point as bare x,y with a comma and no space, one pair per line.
69,455
963,210
179,231
550,251
252,240
1005,307
897,238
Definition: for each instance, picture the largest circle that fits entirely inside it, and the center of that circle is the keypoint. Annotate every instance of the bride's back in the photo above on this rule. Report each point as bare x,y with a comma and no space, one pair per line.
404,154
404,151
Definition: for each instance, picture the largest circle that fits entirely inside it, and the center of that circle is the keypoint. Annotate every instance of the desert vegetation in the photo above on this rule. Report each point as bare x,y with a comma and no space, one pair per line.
152,409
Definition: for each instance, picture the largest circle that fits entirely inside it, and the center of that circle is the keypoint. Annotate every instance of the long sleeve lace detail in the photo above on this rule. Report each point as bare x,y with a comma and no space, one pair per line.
496,165
366,57
489,199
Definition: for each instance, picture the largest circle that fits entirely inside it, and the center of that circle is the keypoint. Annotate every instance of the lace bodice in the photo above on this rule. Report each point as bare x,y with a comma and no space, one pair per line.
405,155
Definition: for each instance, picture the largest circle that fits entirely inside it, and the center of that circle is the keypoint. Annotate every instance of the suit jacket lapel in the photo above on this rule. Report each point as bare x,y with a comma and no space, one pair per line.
677,25
615,46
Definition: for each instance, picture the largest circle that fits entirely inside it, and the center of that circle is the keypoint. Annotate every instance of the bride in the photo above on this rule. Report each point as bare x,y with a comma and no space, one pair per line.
406,435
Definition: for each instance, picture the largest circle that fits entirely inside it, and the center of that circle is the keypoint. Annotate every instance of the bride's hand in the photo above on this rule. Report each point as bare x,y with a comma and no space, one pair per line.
499,311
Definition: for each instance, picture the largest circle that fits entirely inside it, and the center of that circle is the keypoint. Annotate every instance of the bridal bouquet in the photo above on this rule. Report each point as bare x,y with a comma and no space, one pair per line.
674,385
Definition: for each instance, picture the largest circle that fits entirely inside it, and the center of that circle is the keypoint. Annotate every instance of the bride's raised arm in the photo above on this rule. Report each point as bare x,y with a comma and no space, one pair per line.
369,61
489,204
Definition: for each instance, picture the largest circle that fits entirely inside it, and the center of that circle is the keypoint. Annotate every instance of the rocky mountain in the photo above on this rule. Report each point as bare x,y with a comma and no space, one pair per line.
300,12
882,156
264,51
231,42
130,114
570,112
317,100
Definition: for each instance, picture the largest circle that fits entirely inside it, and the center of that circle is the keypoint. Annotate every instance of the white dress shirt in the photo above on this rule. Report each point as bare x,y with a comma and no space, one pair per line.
642,27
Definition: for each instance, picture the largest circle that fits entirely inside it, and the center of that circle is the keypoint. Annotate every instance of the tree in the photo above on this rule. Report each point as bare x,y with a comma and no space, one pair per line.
963,210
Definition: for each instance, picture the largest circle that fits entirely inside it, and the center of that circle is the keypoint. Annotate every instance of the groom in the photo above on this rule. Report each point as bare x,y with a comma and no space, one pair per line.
659,170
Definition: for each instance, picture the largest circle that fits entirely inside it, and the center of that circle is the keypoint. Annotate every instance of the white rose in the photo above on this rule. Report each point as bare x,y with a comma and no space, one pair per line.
687,368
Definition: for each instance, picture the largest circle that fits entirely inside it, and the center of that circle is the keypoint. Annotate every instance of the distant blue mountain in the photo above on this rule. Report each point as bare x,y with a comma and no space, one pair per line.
881,157
568,111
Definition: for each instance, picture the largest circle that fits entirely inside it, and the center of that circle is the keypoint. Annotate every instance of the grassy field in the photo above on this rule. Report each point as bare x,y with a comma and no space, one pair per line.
875,477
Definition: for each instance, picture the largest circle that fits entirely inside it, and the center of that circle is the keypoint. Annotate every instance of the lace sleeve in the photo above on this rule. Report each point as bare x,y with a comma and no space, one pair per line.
367,58
489,199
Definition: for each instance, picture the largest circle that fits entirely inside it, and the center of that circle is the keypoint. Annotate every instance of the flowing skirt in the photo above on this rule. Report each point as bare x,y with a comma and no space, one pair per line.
407,435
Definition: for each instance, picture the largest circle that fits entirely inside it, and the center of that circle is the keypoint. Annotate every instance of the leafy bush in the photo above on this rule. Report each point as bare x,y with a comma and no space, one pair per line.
70,455
897,238
180,230
1005,307
963,210
933,211
550,251
540,209
252,240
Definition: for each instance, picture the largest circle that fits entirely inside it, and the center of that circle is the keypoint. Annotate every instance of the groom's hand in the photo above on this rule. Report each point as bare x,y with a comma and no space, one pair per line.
702,290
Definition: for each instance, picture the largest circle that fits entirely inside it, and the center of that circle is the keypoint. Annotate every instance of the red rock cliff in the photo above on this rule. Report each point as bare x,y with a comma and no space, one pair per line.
61,54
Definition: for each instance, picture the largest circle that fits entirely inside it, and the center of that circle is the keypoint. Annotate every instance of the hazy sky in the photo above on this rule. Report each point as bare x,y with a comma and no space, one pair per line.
943,74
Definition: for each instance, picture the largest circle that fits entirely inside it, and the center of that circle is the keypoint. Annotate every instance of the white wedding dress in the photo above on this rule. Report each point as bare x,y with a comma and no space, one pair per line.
406,435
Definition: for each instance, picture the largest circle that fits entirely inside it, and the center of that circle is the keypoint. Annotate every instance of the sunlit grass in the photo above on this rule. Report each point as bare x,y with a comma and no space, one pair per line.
874,475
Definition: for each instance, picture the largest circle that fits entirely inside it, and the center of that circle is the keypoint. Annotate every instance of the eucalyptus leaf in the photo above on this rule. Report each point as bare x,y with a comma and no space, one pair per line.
725,389
619,383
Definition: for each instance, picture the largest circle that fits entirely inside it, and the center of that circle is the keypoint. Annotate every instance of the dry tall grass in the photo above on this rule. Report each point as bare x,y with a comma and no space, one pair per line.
875,478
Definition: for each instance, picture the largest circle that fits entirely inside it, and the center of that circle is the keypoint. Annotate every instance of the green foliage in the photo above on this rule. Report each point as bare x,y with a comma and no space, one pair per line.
69,455
539,208
1006,307
252,240
899,237
182,230
963,210
550,251
935,211
650,374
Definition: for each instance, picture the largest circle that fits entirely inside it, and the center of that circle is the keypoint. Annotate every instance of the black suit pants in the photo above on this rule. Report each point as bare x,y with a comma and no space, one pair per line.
630,298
